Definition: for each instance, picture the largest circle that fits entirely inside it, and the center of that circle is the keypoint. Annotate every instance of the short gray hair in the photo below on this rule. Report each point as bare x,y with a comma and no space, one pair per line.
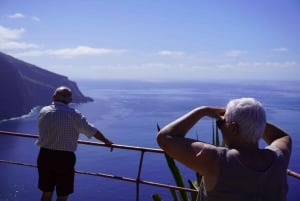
250,117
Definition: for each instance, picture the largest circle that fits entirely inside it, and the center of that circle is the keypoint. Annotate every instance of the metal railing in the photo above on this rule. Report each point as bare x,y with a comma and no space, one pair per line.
136,180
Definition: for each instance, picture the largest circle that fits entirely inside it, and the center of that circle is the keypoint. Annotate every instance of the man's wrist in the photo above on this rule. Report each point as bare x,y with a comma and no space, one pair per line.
106,141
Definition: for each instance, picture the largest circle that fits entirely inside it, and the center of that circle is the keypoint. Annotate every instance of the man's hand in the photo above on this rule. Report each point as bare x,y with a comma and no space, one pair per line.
110,144
215,112
98,135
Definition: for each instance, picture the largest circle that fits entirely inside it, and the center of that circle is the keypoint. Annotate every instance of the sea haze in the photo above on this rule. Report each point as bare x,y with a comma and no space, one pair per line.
128,112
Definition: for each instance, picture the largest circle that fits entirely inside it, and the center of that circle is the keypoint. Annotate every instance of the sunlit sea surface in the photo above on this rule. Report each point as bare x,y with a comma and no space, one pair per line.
128,112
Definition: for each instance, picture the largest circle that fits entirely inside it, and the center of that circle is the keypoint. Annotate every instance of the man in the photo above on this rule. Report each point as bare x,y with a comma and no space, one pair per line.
59,129
242,171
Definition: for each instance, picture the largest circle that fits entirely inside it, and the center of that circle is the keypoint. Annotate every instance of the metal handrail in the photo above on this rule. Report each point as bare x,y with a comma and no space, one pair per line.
137,180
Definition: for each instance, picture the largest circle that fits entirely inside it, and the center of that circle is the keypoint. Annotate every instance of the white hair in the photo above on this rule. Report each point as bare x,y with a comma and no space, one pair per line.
250,117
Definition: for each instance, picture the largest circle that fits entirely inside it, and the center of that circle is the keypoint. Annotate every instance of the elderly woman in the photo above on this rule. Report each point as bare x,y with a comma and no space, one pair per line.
242,171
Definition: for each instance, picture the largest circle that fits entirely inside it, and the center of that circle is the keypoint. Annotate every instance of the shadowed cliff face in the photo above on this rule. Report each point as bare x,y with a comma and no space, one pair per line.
24,86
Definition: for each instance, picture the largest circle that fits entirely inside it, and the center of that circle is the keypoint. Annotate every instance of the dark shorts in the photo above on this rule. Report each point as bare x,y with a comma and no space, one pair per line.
56,169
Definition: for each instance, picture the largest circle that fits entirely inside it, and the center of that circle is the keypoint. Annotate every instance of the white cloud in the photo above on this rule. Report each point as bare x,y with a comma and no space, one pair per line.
267,68
10,34
268,65
35,18
84,50
16,16
9,39
31,53
20,15
234,53
170,53
8,45
147,71
72,52
155,69
280,49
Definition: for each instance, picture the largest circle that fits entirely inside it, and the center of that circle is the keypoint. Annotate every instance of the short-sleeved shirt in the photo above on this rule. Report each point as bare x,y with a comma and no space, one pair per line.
236,182
60,126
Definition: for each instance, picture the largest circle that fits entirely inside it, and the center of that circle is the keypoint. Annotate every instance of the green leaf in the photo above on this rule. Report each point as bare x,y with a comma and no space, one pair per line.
177,177
193,185
156,197
198,177
213,133
173,193
217,137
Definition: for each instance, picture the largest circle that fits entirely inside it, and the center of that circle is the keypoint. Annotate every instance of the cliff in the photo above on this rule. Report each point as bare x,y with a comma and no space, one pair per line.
24,86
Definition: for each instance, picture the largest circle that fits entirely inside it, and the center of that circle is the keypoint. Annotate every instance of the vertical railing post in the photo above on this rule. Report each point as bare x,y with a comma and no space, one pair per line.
139,176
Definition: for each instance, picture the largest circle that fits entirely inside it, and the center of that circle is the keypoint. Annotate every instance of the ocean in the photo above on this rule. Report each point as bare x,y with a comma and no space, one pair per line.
127,112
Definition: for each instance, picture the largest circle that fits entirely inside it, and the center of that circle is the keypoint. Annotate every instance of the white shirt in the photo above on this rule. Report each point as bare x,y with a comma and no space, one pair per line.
60,126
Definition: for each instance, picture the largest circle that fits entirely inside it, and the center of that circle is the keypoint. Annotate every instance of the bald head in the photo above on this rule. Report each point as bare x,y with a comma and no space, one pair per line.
63,94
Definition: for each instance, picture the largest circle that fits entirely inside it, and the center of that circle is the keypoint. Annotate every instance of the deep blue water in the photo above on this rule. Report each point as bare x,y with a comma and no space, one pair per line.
127,113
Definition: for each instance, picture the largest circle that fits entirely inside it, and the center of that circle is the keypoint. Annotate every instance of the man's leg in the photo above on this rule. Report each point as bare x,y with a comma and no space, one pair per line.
46,179
65,174
46,196
62,198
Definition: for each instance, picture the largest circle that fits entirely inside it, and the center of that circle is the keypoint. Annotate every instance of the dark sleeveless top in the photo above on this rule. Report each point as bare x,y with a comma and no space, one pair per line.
236,182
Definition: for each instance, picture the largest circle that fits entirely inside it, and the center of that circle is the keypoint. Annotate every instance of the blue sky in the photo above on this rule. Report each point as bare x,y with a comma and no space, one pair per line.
155,39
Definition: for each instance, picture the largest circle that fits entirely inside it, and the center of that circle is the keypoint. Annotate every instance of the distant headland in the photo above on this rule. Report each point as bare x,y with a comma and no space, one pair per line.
24,86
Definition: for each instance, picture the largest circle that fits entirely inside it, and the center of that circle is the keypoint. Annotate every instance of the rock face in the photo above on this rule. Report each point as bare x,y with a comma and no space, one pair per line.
24,86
